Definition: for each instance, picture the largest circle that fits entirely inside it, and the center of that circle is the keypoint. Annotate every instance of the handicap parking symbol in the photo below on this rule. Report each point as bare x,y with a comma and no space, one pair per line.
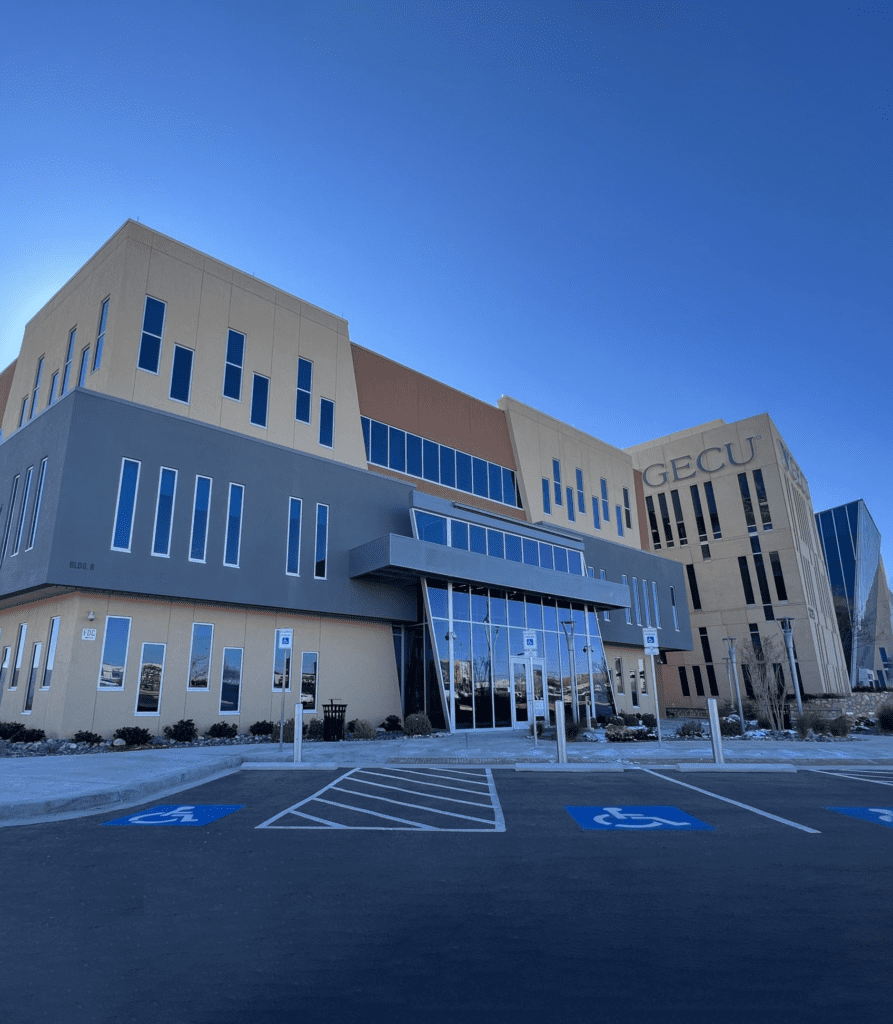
178,814
633,819
879,815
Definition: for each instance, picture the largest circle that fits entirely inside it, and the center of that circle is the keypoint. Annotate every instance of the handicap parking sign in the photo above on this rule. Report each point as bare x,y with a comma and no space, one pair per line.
879,815
636,819
178,814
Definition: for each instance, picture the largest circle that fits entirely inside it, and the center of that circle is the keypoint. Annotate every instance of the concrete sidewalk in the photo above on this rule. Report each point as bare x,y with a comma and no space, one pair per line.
34,789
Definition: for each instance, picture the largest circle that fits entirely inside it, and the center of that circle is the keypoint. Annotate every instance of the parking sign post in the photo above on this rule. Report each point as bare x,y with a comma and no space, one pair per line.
285,638
649,638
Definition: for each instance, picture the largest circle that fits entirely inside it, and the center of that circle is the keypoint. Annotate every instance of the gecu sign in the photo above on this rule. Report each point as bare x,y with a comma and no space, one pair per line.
711,460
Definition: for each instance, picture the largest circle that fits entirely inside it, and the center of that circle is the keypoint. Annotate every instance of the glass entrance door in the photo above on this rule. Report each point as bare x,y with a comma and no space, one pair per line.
527,687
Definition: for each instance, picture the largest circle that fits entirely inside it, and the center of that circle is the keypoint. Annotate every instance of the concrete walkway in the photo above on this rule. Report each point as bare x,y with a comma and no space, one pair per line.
34,789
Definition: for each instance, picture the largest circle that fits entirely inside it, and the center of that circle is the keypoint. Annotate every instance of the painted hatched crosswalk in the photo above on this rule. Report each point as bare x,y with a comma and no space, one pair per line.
881,775
420,799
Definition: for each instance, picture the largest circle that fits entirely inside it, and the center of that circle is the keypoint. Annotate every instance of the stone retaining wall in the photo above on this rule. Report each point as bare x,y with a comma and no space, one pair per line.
857,703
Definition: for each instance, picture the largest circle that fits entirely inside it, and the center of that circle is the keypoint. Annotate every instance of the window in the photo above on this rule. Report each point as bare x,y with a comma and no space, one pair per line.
765,515
556,480
378,444
23,412
606,510
32,676
683,681
625,582
4,667
570,505
673,607
309,679
705,551
304,390
714,515
293,539
231,680
479,477
25,495
693,586
35,394
260,394
581,497
780,587
38,498
54,380
745,580
181,374
69,355
201,504
618,673
602,575
762,581
233,526
699,682
596,518
12,501
153,329
635,592
656,605
711,680
619,520
232,372
699,512
665,519
645,603
326,423
52,639
322,541
127,490
100,334
680,522
114,653
705,643
148,695
431,528
200,655
281,665
643,677
747,503
20,651
627,512
164,512
652,523
85,361
547,497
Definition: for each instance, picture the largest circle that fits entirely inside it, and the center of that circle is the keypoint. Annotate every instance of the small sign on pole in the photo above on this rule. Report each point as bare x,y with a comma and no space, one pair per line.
649,639
530,645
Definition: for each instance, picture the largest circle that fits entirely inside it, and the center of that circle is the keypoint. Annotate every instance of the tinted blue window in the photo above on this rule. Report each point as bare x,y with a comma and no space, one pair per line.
181,374
367,430
570,505
547,497
439,600
606,511
150,349
431,528
322,541
379,444
153,327
494,473
447,466
153,318
260,393
166,485
302,407
463,472
495,544
479,473
130,474
560,559
431,456
200,518
460,535
575,563
305,375
294,537
508,488
233,525
235,348
304,389
546,560
596,519
619,520
556,480
397,453
413,455
232,382
531,552
100,334
326,423
478,539
512,547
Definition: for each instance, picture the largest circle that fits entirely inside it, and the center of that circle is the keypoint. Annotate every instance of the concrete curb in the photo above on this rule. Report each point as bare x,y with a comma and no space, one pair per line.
604,767
755,767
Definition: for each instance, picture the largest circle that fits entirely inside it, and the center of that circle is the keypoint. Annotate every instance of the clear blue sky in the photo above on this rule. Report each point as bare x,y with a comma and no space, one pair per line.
636,216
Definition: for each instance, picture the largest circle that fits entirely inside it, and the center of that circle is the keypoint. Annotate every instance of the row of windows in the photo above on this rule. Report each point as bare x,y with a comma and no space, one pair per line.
11,669
649,601
553,488
638,679
417,456
27,412
700,522
128,488
149,359
14,534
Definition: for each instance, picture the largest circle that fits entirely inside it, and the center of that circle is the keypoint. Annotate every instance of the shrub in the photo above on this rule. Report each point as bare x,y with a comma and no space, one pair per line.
616,720
10,731
288,731
885,716
313,730
417,725
363,730
730,727
619,734
133,736
690,729
649,720
261,729
87,737
574,730
183,731
31,736
223,731
539,728
840,726
629,719
810,719
392,724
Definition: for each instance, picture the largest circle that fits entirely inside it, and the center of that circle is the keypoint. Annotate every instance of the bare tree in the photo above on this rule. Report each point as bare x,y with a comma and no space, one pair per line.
762,660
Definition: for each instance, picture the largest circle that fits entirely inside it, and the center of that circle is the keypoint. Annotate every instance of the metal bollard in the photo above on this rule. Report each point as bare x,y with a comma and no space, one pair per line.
715,736
299,732
559,731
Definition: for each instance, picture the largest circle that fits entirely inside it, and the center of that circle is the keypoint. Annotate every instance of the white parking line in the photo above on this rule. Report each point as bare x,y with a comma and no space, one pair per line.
737,803
415,792
865,774
404,803
439,785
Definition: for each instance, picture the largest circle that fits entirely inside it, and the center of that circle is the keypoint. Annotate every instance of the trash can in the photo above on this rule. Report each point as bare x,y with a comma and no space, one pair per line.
333,721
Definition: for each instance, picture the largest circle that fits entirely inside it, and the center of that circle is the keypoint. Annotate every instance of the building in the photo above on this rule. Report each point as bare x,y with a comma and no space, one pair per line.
852,547
193,461
730,503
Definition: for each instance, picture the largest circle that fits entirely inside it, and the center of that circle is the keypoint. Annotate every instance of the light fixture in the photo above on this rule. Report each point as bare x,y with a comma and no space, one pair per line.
90,616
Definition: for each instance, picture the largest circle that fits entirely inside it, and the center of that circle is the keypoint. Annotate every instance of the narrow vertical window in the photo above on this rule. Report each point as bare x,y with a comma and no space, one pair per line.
683,681
714,515
231,680
148,697
652,523
705,643
164,512
153,330
201,505
51,397
699,682
23,412
780,587
26,493
602,575
711,681
304,390
665,519
52,640
181,374
38,498
581,497
749,517
635,592
326,423
200,655
12,501
765,514
656,605
35,394
260,395
606,508
232,374
20,651
680,521
619,514
699,512
378,444
627,511
693,586
547,497
745,580
596,518
4,667
673,607
32,675
556,480
309,679
85,362
366,424
69,355
114,653
233,525
570,505
625,582
293,541
128,485
618,673
645,602
281,665
322,541
100,334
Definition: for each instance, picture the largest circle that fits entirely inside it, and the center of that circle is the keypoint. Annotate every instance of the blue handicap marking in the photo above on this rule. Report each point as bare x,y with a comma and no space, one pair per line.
632,819
879,815
178,814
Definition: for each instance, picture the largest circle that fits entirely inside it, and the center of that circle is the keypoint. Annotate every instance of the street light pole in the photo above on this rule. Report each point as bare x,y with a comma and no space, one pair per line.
568,627
787,629
730,640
